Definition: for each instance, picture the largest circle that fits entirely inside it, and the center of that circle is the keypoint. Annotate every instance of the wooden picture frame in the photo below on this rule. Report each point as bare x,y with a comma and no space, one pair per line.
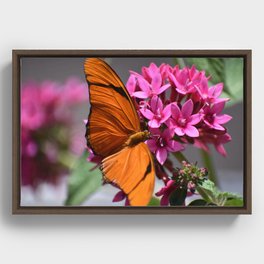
247,155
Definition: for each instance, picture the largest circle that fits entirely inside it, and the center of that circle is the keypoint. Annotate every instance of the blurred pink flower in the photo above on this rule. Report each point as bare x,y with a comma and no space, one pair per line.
220,141
46,128
210,137
74,92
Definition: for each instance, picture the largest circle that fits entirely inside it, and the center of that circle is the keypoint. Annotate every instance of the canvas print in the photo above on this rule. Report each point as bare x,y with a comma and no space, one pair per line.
132,131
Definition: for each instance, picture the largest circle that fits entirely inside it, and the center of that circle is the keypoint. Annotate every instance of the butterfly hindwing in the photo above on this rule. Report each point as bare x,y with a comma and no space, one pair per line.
132,170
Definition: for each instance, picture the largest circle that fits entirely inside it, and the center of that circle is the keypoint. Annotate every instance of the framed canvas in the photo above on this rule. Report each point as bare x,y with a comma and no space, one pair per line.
131,131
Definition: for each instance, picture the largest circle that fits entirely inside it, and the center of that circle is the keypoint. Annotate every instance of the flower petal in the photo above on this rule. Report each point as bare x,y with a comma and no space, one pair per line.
222,119
163,88
119,196
200,144
152,144
174,146
161,155
216,126
175,111
218,107
141,95
195,119
166,113
218,88
220,149
156,82
191,131
167,134
187,109
164,201
151,70
156,103
172,79
144,85
179,131
171,124
154,123
131,84
146,113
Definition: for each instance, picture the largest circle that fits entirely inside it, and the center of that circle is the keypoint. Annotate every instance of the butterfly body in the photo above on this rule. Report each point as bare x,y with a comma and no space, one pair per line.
113,132
137,138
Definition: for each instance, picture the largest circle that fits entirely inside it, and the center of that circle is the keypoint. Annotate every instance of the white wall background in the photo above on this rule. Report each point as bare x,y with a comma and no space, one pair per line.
123,25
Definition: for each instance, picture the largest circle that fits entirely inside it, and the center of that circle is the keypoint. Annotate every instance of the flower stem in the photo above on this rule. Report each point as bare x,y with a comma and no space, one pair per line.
180,157
209,164
67,159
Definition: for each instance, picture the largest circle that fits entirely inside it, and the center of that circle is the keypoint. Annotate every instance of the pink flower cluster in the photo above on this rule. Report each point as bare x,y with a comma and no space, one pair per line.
178,107
47,128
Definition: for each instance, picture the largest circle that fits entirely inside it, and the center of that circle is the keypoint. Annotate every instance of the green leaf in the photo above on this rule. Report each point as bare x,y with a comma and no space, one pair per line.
234,79
234,202
209,192
154,202
82,181
212,195
178,196
198,202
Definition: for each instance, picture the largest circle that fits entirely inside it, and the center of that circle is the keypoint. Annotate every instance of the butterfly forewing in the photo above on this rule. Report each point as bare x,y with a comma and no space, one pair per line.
112,117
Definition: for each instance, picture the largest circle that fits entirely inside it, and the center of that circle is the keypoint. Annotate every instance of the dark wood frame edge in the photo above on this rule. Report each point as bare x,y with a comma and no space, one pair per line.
246,209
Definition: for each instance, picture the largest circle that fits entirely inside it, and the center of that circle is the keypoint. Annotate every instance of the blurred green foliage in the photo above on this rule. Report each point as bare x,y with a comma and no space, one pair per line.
82,181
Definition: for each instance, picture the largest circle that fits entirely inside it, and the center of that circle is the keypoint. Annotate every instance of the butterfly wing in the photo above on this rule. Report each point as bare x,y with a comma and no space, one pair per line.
132,170
112,116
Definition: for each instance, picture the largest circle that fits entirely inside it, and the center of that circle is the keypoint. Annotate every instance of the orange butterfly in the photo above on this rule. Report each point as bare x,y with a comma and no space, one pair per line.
113,132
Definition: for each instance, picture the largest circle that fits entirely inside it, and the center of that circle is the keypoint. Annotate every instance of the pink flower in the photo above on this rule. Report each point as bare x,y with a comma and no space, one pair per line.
47,129
212,117
183,121
94,159
156,115
211,94
74,92
190,108
185,80
166,191
32,112
162,143
150,72
151,89
218,140
120,196
131,84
